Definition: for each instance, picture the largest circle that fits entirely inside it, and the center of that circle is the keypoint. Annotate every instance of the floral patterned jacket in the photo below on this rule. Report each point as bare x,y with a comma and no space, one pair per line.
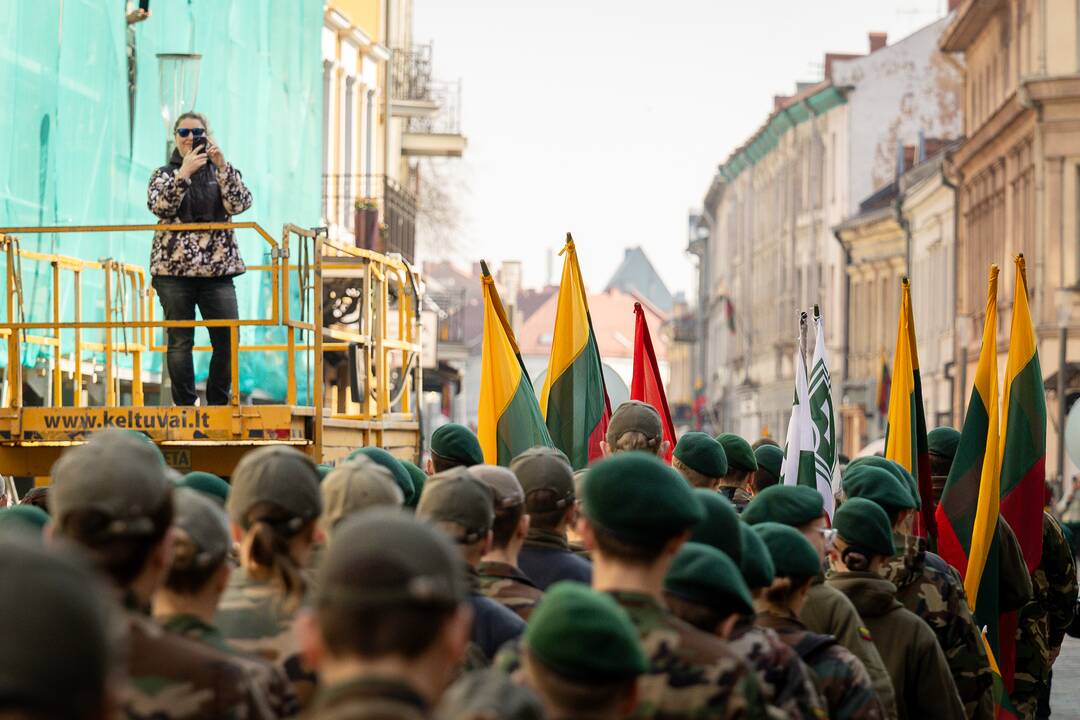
211,253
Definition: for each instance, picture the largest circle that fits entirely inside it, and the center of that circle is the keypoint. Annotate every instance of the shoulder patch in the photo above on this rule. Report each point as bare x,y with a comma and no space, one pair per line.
864,633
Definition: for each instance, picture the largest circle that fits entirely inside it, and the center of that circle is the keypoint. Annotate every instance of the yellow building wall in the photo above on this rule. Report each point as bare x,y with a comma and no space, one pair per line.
364,14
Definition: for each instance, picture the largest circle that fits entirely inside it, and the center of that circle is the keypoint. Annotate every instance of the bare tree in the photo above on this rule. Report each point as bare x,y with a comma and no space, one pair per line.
440,189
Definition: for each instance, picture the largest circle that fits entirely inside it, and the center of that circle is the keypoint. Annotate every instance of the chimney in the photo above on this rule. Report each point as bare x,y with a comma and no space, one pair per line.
878,40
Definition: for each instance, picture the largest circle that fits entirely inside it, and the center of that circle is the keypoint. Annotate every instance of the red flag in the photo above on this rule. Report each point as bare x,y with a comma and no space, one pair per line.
646,385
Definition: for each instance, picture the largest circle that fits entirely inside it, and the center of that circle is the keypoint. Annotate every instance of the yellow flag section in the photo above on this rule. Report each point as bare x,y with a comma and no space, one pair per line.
508,419
899,433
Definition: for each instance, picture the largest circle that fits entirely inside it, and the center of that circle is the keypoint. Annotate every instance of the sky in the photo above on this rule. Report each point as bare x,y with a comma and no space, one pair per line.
608,118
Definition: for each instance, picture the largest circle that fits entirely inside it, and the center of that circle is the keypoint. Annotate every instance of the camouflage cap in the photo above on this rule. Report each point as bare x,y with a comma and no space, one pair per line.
57,653
20,518
699,451
386,558
457,443
793,505
276,474
391,463
704,575
740,456
634,416
792,554
546,478
756,565
770,458
115,473
898,471
720,528
418,477
202,522
878,485
356,485
490,694
454,496
504,485
584,635
208,484
863,524
639,498
943,441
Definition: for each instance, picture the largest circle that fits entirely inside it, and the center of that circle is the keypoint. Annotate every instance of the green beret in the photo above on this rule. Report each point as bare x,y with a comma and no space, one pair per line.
794,505
634,416
879,485
740,455
898,471
756,565
457,443
639,498
324,470
704,575
23,518
701,452
771,459
418,477
720,528
943,441
277,474
490,693
391,463
864,525
584,635
455,496
792,554
208,484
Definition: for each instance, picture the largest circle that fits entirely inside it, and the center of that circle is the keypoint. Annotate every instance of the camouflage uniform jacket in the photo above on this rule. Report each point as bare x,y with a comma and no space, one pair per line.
369,698
1042,623
251,618
270,678
828,612
548,558
839,675
737,495
942,604
786,683
195,253
691,674
920,674
506,584
173,678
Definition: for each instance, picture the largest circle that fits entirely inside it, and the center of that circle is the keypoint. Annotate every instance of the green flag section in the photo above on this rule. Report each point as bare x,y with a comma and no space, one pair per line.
1023,429
509,421
574,400
967,515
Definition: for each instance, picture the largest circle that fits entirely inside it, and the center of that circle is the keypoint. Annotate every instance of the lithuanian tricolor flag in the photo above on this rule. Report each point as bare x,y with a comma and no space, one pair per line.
967,515
508,419
574,400
1023,429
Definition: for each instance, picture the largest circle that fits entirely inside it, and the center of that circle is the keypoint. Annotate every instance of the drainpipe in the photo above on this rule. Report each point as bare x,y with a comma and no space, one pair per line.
388,98
956,284
847,294
1024,96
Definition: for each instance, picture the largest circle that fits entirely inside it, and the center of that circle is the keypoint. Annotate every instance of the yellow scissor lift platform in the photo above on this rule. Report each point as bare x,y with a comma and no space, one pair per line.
111,350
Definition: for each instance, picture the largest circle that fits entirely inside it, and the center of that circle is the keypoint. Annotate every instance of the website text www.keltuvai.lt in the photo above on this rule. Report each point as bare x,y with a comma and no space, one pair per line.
128,419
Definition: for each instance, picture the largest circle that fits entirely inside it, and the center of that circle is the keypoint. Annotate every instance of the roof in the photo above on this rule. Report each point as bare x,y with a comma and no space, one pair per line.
636,275
612,313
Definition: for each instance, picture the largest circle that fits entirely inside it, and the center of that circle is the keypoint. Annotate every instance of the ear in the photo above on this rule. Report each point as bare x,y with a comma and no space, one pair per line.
665,445
726,626
523,526
237,532
626,707
605,449
489,542
309,636
429,467
585,531
671,547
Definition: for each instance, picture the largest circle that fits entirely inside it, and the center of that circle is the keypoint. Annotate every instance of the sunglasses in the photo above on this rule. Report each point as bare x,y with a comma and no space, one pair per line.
828,535
184,132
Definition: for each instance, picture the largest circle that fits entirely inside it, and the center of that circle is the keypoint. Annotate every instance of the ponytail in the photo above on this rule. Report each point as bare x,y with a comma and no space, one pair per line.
267,547
856,559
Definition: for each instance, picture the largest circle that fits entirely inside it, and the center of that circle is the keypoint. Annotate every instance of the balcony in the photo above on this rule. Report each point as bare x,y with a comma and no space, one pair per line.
376,210
452,309
431,108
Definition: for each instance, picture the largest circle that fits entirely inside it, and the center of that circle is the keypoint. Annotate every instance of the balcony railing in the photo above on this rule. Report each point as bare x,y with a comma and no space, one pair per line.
451,316
411,73
412,82
378,210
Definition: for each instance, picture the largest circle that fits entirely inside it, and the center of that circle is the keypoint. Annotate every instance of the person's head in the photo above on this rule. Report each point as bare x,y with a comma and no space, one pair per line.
354,486
864,538
391,463
720,527
762,442
795,564
511,523
700,459
636,510
582,654
454,445
187,127
740,460
635,425
756,565
942,443
112,497
879,485
201,544
797,506
462,507
390,589
38,497
705,588
770,462
274,504
548,482
208,484
58,658
24,519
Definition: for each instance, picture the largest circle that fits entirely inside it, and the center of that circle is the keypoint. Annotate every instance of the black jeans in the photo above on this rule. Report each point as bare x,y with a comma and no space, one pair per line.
216,299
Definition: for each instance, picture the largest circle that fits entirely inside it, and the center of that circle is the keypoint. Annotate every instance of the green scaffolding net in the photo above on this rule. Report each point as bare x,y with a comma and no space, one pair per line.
77,147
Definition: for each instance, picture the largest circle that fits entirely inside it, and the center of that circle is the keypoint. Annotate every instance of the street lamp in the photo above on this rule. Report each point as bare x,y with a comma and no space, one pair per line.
178,86
1063,298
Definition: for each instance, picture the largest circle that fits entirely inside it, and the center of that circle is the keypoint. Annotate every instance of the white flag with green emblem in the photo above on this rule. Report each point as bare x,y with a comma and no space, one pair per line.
821,414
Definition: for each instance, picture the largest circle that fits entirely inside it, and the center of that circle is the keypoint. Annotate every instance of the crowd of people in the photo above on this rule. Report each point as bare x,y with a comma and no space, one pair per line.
703,588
